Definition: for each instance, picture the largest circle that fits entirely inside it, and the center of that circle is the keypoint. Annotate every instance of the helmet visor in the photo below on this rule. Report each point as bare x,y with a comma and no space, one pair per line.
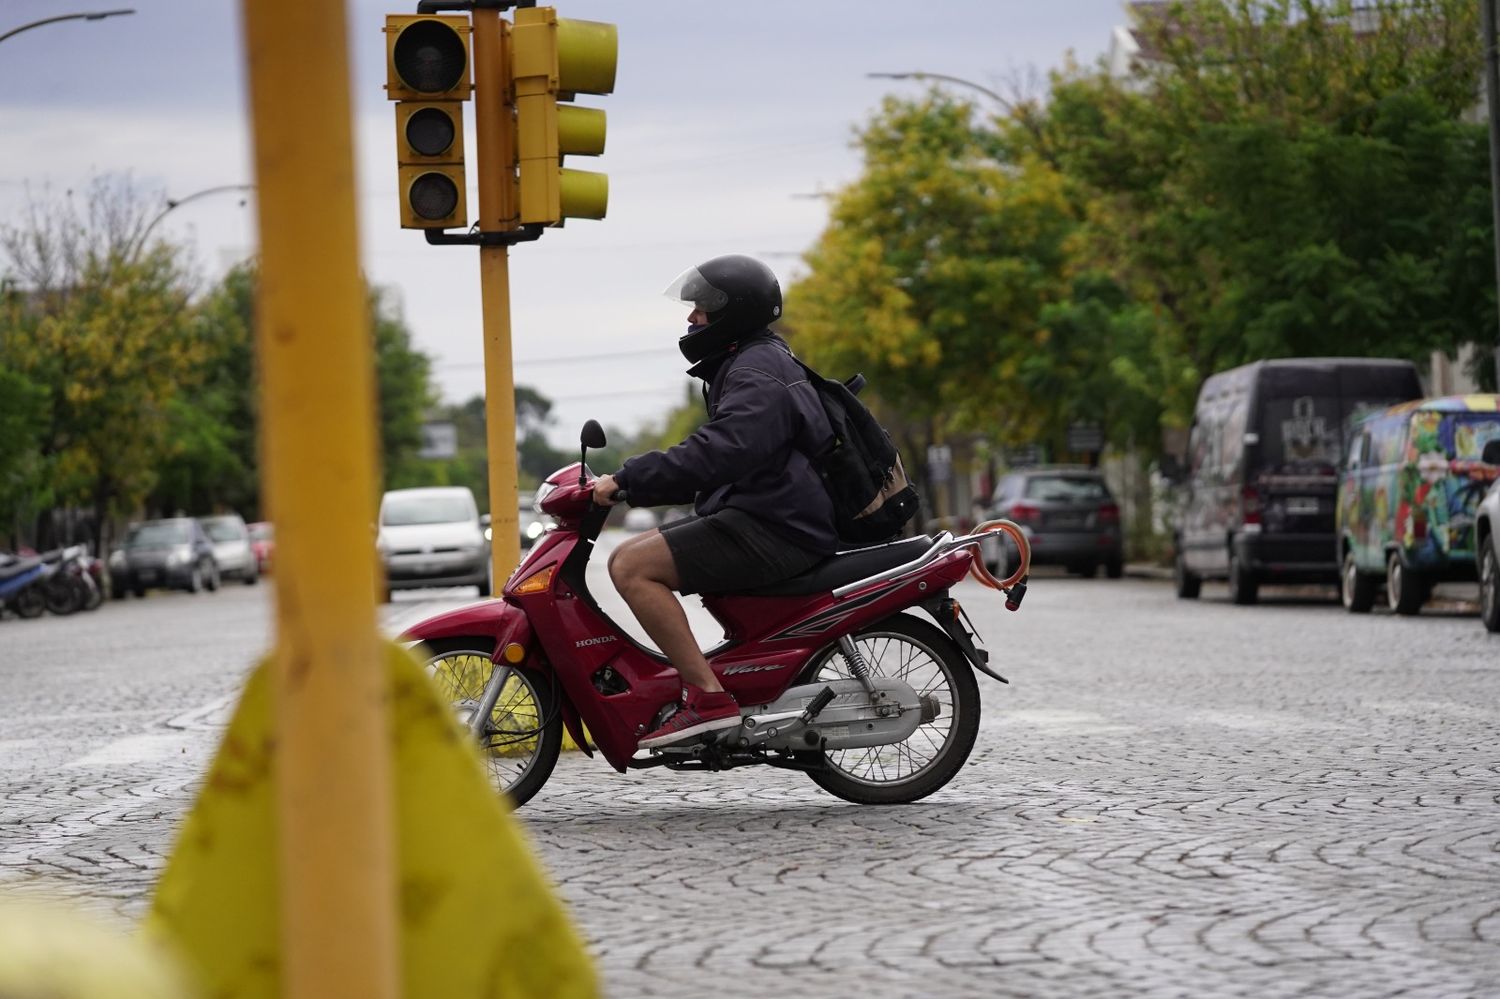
692,288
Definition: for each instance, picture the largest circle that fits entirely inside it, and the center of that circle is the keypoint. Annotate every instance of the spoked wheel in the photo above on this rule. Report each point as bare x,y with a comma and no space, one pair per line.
917,653
523,736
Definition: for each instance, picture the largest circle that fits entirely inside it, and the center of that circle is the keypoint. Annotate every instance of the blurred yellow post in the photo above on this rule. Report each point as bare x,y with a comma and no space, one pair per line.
497,213
333,804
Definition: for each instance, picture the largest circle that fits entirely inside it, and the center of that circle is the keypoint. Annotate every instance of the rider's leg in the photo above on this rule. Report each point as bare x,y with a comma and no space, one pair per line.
646,576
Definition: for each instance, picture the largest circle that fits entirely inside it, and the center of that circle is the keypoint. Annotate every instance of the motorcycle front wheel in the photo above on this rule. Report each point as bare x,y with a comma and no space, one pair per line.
30,602
908,649
523,735
63,595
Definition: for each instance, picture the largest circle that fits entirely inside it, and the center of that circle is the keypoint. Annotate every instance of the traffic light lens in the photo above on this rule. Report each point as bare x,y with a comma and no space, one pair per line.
433,196
429,57
430,131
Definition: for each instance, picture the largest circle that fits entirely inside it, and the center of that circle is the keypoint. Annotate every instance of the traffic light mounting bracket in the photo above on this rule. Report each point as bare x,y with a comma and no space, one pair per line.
434,6
474,237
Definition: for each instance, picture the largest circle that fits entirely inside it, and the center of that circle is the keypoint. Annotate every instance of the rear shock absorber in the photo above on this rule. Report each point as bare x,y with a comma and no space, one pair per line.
858,666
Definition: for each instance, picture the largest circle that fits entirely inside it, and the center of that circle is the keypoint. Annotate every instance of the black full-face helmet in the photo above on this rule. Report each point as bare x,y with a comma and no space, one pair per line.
740,296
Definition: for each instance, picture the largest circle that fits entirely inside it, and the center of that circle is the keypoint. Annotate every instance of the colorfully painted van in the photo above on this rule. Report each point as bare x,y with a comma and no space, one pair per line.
1411,481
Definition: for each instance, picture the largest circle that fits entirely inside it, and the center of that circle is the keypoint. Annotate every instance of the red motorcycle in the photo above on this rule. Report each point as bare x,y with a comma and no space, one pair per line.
834,676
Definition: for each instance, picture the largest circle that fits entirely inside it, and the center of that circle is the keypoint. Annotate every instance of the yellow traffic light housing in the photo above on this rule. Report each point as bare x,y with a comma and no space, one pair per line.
552,60
427,56
428,75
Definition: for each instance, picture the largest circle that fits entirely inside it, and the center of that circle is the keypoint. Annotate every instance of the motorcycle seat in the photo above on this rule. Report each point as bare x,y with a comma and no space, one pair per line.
12,569
846,567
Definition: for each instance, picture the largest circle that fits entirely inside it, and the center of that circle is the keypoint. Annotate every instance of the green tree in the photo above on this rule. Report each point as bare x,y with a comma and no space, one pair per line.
403,377
933,278
102,327
23,411
1282,179
213,462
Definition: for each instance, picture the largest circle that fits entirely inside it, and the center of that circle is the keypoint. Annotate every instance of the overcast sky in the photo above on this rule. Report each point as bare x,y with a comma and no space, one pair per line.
726,117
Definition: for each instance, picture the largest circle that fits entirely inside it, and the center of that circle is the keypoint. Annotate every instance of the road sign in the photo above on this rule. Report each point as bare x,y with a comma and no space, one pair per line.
439,440
1085,437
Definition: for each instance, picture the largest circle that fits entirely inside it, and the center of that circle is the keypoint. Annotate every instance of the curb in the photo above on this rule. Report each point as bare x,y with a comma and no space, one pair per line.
1145,570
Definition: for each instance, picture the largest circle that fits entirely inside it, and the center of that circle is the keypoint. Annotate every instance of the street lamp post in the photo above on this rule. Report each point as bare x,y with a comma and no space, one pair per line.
920,75
179,202
939,455
97,15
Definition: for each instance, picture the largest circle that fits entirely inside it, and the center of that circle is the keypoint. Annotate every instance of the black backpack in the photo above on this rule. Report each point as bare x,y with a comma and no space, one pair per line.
861,469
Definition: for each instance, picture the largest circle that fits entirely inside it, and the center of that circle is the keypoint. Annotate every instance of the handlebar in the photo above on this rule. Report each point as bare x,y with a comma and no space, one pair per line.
1014,585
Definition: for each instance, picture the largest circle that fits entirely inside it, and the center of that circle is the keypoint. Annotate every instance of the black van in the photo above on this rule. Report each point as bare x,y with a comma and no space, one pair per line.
1262,478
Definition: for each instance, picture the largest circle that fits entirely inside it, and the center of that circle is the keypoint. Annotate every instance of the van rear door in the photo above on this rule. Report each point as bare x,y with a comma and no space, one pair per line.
1305,417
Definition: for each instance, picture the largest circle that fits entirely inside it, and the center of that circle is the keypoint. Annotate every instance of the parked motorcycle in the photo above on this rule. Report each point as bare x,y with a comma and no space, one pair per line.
20,589
68,586
834,675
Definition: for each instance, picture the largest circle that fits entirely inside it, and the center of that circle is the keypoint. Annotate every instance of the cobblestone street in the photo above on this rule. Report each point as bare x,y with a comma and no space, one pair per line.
1170,799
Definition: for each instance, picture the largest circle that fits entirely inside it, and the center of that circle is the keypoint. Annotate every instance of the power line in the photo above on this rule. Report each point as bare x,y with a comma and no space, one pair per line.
676,392
571,359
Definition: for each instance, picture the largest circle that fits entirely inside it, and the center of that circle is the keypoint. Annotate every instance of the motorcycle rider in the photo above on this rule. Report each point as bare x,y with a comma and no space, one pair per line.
763,514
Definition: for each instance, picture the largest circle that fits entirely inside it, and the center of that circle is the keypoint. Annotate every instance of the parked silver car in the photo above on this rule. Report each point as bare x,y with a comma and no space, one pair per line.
1487,545
432,537
232,548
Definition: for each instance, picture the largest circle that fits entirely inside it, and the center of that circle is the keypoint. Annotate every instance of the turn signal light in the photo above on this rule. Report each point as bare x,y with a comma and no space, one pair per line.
537,582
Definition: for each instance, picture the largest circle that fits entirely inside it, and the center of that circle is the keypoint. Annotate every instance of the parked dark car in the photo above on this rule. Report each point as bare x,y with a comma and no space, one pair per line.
172,553
1260,489
1069,516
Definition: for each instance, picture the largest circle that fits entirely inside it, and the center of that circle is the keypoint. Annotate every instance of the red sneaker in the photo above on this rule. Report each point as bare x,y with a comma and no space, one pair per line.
701,712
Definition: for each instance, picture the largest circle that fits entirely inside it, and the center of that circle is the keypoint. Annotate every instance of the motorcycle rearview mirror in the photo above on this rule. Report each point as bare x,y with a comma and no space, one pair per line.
592,436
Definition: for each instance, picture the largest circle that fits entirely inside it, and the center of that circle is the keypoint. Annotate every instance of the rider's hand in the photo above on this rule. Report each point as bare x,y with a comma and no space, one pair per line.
604,490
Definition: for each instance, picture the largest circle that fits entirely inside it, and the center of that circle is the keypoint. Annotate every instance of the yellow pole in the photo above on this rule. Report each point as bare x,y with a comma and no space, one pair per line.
334,809
497,212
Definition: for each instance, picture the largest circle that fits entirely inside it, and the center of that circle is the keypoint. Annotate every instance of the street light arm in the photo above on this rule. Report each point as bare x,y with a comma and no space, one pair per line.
921,75
92,16
171,205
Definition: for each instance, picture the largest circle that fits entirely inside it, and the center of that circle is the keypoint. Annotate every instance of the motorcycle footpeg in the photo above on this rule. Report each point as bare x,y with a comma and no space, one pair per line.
818,704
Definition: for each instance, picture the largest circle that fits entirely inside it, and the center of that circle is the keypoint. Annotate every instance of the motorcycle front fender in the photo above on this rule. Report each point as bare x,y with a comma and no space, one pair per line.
500,623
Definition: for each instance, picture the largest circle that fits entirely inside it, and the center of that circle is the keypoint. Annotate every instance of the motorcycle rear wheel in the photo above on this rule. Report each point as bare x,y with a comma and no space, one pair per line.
525,730
909,649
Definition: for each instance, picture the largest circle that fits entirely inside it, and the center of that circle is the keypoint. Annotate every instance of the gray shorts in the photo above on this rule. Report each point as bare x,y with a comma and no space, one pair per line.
730,551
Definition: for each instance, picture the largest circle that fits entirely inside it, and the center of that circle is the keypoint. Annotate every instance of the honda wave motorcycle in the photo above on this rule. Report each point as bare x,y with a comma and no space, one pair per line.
834,674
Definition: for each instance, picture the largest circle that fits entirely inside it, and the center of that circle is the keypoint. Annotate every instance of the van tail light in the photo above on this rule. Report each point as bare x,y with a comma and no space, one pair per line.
1109,513
1022,512
1250,502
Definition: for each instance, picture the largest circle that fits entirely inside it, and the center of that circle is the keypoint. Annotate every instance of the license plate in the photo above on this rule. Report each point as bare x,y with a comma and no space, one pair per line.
148,576
1302,504
1065,520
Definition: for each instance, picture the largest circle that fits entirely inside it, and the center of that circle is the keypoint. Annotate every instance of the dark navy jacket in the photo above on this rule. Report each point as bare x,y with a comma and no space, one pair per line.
764,419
